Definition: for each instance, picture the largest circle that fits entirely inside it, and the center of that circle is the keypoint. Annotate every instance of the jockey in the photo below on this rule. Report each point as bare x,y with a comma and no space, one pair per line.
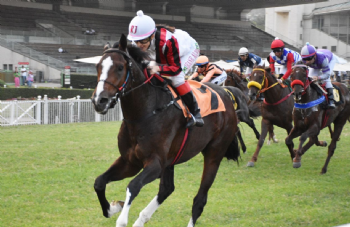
249,60
283,56
174,50
321,63
211,72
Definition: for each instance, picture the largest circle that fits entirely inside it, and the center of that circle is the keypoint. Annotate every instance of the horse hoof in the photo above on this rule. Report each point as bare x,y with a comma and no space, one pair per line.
325,144
296,164
250,164
115,207
268,142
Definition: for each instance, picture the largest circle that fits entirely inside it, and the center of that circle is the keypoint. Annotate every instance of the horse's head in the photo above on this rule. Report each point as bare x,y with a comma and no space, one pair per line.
115,72
258,81
233,78
299,80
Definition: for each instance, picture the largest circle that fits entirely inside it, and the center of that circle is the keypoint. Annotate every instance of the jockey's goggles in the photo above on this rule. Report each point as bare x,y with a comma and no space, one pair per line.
277,50
144,41
308,58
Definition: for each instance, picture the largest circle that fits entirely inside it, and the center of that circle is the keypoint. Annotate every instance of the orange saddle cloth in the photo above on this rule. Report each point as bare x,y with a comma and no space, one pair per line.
208,100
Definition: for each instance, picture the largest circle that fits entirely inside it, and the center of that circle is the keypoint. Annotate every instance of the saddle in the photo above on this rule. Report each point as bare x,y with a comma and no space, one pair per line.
321,91
208,100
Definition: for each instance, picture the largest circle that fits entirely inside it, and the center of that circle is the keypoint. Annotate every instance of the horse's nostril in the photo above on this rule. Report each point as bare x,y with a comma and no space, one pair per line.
103,101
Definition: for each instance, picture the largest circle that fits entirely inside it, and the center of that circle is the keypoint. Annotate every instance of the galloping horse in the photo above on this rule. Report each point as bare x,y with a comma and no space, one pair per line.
153,137
234,79
309,117
276,109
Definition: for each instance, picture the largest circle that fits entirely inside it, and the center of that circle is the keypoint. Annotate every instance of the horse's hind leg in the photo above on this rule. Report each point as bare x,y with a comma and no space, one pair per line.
151,171
211,166
118,171
271,135
338,127
166,187
243,116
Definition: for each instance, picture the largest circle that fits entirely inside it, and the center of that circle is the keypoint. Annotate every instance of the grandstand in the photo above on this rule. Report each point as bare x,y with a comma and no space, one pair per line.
35,31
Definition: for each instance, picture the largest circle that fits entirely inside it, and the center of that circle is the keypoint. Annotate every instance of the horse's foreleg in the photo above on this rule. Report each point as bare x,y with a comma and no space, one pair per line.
338,127
151,171
244,117
119,170
264,127
211,166
166,187
239,135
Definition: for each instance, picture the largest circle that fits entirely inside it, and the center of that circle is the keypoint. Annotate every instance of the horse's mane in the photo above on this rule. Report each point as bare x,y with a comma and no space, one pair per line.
137,54
234,70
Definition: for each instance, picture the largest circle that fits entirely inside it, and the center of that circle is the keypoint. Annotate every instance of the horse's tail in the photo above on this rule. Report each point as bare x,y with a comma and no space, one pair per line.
233,151
254,110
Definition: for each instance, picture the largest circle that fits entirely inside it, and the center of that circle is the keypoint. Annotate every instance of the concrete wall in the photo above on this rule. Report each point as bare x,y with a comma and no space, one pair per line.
7,56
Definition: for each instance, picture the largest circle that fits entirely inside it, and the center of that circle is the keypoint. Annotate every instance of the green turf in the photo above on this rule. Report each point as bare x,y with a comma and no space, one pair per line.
47,174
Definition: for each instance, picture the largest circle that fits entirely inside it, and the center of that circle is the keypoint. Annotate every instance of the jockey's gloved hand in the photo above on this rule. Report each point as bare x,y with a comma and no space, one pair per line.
153,69
315,78
280,80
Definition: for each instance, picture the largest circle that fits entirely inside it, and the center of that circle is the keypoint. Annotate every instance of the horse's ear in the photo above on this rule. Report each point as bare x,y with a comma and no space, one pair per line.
122,43
268,69
107,46
116,45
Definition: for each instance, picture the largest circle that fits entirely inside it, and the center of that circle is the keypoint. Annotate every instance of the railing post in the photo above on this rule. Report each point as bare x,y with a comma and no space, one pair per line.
46,110
12,112
97,117
79,107
71,108
38,110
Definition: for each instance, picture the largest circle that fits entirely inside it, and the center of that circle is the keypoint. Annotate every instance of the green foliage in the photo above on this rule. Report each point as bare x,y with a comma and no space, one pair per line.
10,93
82,81
48,172
2,83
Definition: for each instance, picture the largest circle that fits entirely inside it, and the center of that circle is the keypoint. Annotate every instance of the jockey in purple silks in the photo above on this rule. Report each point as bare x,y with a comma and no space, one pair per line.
321,63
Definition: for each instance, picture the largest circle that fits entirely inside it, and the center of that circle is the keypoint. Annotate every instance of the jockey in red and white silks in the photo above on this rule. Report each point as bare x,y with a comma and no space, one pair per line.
174,51
283,56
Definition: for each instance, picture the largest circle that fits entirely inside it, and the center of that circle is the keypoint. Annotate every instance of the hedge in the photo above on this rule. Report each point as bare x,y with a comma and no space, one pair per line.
29,93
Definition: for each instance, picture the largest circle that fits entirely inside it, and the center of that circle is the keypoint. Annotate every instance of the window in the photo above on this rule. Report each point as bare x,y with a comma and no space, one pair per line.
301,23
10,67
334,48
324,47
4,66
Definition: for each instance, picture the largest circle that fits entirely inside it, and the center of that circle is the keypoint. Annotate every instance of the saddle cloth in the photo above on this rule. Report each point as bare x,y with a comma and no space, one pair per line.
208,100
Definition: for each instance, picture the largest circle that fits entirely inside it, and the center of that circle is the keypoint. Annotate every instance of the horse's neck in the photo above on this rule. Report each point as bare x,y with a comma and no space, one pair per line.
275,93
310,95
243,87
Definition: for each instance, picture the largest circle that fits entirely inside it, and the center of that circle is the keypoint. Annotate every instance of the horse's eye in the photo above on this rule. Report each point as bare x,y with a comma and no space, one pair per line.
120,68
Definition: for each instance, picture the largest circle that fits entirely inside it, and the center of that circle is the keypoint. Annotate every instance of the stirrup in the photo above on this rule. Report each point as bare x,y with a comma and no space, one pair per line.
195,122
331,105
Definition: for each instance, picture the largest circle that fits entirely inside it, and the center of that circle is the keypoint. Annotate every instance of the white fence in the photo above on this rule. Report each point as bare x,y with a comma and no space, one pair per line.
53,112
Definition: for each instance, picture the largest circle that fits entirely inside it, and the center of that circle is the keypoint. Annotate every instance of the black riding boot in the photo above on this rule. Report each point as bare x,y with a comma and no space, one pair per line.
331,104
191,103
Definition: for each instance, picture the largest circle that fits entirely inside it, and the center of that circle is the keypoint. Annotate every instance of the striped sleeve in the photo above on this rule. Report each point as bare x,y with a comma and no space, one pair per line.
172,55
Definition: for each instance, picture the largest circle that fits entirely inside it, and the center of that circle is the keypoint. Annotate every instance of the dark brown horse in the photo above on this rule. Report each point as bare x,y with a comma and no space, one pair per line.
152,137
276,109
234,79
309,116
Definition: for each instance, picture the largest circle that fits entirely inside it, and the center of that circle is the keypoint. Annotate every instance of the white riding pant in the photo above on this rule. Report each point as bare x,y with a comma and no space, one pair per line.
187,61
220,79
248,70
318,72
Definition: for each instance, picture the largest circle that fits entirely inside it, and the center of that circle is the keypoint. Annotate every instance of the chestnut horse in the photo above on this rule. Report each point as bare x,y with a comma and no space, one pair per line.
153,138
234,79
309,117
276,109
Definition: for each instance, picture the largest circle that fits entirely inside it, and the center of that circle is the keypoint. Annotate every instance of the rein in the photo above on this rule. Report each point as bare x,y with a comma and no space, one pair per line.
265,86
299,82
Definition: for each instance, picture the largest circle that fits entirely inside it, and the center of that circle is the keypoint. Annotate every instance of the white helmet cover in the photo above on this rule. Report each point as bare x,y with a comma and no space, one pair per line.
141,27
243,51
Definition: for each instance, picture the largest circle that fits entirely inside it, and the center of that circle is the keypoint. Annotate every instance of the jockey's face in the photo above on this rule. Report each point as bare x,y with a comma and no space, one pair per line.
144,43
244,57
309,61
202,68
278,52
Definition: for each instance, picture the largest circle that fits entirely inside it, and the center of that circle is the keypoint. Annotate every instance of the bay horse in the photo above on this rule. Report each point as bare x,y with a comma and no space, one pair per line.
153,138
276,109
234,79
309,116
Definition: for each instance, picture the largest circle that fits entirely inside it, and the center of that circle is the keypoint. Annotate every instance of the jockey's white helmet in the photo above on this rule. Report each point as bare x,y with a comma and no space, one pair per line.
141,27
243,51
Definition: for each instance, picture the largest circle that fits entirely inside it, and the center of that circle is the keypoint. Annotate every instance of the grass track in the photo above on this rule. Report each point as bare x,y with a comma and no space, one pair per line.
47,175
